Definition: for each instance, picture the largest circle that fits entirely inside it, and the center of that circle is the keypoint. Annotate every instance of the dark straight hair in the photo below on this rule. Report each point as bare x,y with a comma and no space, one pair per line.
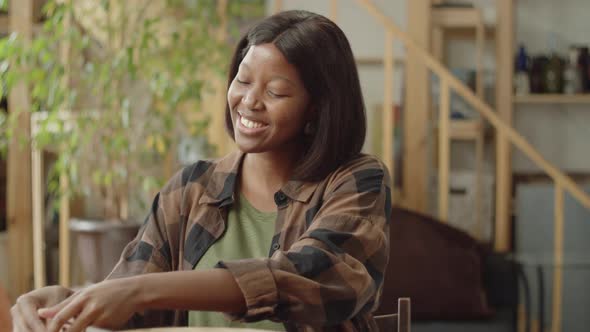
320,52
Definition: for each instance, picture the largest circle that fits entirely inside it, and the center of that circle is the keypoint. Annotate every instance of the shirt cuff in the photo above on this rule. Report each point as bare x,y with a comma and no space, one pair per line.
257,283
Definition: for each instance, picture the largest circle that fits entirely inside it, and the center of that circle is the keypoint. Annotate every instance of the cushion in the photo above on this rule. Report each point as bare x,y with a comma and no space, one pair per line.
437,266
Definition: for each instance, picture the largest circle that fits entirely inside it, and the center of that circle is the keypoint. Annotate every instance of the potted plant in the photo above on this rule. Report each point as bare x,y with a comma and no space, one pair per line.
115,85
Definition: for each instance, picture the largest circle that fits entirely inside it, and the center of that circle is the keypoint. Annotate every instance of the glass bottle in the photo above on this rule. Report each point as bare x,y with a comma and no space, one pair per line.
554,74
521,76
584,68
572,79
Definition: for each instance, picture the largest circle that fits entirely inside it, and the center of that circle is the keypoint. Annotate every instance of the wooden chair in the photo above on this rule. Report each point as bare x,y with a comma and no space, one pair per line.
399,322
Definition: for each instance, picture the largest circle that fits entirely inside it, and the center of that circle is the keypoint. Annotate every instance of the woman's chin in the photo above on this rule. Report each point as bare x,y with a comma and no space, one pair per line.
249,148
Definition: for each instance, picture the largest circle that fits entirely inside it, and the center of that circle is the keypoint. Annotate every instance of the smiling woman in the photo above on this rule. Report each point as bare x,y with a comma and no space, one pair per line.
290,232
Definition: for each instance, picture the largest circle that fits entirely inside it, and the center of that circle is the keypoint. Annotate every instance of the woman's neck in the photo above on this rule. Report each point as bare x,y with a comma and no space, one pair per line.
269,171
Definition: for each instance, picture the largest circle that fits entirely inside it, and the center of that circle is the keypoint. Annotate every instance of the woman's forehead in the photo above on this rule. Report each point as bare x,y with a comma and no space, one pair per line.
267,57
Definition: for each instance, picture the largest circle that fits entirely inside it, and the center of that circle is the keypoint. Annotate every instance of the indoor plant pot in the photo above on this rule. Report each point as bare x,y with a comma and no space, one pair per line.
99,245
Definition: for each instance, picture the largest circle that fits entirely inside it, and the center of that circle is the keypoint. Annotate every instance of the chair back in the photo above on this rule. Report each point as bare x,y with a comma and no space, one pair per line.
398,322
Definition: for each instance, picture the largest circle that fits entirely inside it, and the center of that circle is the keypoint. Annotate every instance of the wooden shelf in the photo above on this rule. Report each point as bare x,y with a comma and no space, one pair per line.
377,61
460,17
552,99
466,129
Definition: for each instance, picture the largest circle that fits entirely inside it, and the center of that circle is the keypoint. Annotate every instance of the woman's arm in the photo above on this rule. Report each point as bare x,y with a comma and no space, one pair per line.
203,290
111,303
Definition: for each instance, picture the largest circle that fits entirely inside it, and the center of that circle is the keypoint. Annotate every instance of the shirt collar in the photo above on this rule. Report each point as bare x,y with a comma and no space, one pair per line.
222,183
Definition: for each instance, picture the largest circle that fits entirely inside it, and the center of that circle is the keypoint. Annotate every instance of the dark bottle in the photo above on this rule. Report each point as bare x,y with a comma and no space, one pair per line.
554,74
538,69
584,66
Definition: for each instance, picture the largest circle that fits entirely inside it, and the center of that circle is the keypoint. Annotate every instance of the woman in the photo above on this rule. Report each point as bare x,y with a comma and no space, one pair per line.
291,231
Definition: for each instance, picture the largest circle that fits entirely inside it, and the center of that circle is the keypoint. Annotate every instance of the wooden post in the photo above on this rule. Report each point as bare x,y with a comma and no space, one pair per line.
278,6
38,222
558,252
444,150
334,10
479,50
415,170
479,183
388,107
504,55
64,204
18,198
64,234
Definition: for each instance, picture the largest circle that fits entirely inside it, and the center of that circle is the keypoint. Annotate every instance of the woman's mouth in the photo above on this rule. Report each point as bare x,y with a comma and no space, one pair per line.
249,127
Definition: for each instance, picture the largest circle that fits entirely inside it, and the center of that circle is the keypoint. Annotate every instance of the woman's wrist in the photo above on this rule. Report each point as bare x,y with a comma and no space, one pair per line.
145,290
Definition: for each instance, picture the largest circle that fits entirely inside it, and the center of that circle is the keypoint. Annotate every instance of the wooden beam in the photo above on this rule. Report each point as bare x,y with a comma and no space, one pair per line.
457,17
388,107
334,10
19,203
376,61
444,150
480,42
466,129
553,99
38,220
278,6
505,72
64,234
64,204
558,252
415,170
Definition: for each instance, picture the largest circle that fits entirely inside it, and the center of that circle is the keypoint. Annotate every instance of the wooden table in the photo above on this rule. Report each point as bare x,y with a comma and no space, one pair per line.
197,329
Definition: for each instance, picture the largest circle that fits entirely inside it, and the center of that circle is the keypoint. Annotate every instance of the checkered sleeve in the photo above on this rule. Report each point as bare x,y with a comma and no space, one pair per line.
151,250
334,272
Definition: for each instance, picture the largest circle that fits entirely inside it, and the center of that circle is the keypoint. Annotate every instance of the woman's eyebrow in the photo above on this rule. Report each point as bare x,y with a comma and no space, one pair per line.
274,77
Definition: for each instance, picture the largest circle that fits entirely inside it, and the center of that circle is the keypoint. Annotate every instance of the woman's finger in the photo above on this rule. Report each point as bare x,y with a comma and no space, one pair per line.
18,321
84,319
25,312
50,312
66,310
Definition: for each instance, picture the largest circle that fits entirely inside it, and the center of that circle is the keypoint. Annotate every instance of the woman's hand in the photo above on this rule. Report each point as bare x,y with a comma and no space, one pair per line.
109,304
24,312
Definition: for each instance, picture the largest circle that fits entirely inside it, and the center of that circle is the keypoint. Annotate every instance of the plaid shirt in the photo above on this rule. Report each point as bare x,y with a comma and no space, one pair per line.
326,262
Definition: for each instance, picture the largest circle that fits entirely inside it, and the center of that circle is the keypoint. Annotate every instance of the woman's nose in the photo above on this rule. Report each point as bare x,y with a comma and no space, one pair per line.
251,99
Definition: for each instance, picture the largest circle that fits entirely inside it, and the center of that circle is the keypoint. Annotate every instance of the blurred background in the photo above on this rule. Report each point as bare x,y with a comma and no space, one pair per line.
478,108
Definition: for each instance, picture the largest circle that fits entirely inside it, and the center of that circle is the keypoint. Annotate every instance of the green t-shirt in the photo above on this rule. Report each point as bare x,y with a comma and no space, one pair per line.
248,234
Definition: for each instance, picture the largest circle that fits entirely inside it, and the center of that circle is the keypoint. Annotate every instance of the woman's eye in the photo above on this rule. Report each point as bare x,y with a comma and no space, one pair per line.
275,95
241,81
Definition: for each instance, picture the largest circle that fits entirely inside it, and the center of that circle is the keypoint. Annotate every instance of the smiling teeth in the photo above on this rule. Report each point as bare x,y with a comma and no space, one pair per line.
250,124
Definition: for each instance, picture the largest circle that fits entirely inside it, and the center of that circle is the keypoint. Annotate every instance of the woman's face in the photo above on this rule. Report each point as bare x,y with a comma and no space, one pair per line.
268,102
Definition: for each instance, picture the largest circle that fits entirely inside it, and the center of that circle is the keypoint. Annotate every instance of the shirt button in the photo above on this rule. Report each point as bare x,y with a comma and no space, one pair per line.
280,198
275,246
